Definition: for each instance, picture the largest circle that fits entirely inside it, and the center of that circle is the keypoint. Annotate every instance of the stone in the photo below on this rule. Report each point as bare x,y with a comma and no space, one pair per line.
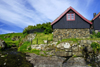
40,61
78,54
63,45
2,44
75,62
59,34
75,48
67,45
45,41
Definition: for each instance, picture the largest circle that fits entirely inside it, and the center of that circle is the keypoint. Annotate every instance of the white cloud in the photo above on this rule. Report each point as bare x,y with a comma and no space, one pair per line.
3,31
31,12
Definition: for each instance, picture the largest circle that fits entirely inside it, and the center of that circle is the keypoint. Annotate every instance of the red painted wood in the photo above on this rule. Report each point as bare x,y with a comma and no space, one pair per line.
70,17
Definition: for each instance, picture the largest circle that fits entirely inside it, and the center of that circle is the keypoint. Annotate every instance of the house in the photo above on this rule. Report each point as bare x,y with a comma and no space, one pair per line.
70,24
96,22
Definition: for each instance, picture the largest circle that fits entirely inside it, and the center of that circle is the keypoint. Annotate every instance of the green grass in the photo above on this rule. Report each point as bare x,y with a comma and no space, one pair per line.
35,51
9,39
41,37
23,47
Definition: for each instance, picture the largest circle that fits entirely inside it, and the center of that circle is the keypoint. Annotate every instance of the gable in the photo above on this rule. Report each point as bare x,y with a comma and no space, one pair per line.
77,23
68,10
98,15
96,23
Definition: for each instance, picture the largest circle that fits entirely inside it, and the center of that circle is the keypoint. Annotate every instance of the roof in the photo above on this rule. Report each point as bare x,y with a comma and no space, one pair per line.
96,16
66,12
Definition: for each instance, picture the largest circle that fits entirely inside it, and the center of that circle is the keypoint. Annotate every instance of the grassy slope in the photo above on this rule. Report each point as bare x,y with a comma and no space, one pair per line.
8,40
41,37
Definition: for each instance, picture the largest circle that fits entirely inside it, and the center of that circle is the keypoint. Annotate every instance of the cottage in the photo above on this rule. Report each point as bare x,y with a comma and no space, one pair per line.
96,22
70,24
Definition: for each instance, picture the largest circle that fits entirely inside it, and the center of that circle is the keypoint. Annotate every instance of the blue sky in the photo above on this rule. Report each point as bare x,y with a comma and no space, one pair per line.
15,15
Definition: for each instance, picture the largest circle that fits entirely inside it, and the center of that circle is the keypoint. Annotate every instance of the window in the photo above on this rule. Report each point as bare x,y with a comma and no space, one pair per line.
70,16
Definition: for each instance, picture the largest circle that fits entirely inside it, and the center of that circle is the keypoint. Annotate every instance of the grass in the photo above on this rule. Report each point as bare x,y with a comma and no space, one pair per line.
41,37
23,47
8,38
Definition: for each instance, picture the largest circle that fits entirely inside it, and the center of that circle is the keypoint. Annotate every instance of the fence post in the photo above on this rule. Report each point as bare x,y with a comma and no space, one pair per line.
37,40
71,50
31,41
47,40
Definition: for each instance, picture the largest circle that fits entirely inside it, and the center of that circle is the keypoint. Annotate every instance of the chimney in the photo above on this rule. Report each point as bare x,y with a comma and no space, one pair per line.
94,14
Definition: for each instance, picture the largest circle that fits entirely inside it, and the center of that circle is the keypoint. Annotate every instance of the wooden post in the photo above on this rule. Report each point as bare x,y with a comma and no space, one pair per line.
71,50
31,41
37,40
47,41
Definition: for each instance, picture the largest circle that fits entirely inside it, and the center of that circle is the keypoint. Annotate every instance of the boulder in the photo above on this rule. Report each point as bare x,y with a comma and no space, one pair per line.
2,44
15,38
75,62
40,61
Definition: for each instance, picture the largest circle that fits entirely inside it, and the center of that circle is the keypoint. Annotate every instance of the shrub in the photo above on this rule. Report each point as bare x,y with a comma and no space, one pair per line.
95,46
46,26
98,34
48,30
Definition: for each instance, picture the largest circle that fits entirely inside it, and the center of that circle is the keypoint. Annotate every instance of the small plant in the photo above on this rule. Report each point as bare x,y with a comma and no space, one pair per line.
29,48
74,56
58,42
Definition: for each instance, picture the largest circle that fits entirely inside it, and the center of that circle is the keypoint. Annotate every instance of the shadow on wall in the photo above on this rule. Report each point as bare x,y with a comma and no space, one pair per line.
35,30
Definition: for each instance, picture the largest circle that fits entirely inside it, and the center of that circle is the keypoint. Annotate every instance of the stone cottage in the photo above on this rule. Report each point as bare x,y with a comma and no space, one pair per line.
70,24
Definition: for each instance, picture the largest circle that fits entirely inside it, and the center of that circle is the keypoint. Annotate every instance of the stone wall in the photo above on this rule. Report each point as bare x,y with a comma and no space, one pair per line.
59,34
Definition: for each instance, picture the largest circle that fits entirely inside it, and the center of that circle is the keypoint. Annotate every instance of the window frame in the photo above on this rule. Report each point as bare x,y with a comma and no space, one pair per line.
70,17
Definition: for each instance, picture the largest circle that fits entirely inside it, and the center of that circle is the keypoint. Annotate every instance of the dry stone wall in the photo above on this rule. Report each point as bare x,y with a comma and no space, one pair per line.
59,34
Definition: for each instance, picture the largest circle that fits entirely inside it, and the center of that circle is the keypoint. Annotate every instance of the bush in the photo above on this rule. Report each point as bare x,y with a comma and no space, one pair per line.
48,30
46,26
95,35
98,34
28,28
95,46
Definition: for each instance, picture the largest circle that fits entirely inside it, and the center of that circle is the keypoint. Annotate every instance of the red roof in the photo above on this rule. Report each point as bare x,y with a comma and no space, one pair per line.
96,16
66,12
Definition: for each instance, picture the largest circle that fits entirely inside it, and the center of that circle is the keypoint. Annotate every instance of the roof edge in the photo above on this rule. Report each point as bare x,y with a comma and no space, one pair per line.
66,12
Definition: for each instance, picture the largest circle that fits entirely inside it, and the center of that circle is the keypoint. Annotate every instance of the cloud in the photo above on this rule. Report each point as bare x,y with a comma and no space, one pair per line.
3,31
52,8
21,13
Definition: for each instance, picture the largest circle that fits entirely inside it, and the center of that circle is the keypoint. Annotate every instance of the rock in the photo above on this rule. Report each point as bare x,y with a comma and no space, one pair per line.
75,62
63,45
2,44
45,41
6,36
29,37
61,53
15,38
67,45
39,61
78,54
75,48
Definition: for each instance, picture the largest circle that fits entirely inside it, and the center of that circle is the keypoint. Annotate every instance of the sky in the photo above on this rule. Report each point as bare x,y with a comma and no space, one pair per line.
15,15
